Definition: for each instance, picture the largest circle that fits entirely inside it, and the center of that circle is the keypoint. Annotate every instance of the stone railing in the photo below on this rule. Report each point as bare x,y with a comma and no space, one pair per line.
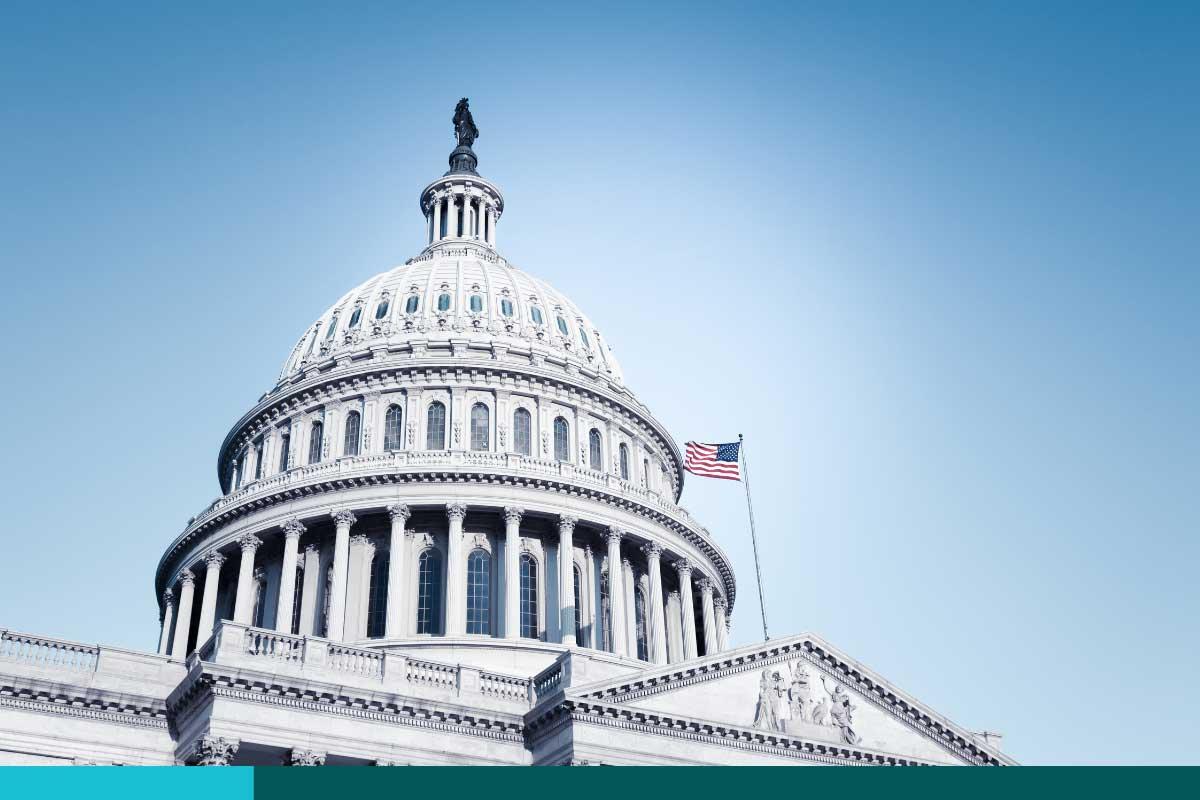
48,653
547,681
234,644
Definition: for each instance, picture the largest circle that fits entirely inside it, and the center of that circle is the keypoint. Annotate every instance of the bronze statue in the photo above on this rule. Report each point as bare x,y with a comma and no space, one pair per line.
464,124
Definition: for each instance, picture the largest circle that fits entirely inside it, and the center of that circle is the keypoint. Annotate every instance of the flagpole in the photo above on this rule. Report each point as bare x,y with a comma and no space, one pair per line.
753,537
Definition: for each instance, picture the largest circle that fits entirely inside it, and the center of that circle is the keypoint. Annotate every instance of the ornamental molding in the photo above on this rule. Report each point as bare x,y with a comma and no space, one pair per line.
816,653
47,705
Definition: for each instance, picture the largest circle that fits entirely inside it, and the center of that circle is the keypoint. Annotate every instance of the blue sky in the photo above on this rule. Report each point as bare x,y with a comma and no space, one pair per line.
937,261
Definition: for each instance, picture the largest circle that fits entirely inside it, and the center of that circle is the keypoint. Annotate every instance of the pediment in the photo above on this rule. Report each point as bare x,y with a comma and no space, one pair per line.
798,687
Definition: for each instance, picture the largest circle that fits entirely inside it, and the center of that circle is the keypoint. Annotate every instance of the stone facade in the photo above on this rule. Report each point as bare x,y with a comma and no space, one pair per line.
448,534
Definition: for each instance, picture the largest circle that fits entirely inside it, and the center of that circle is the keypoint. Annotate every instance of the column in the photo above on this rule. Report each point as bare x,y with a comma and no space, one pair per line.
674,628
312,585
494,215
456,573
587,595
616,594
208,604
687,608
164,636
483,219
630,586
287,580
358,587
566,580
243,606
722,629
512,571
394,626
187,586
466,216
451,216
658,628
710,619
342,519
437,220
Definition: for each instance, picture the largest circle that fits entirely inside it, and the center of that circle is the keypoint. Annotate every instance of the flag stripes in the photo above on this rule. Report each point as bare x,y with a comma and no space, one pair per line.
713,460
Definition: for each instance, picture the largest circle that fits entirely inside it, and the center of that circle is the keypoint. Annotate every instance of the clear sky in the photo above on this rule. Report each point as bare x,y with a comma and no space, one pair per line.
940,263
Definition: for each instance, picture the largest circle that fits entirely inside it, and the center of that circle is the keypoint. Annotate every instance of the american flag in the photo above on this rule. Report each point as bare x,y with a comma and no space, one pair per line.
713,460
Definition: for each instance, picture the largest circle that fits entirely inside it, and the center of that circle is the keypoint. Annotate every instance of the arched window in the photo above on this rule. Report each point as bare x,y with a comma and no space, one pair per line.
535,314
476,303
595,457
332,328
623,451
258,459
523,432
529,597
506,307
578,581
356,317
435,427
285,449
562,443
640,626
297,597
410,307
377,596
316,434
443,302
480,425
479,581
562,328
382,309
606,642
353,433
393,428
429,592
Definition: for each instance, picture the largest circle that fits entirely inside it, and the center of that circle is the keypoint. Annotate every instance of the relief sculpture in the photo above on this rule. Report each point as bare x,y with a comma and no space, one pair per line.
790,702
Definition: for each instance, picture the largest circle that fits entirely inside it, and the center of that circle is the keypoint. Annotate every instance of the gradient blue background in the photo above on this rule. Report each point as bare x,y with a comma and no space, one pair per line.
938,263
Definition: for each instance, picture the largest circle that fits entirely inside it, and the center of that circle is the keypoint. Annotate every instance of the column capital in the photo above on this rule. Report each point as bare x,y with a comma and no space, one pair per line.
456,511
168,597
187,577
513,514
652,550
214,751
249,542
293,528
359,539
567,523
305,758
343,517
213,559
719,602
673,593
312,547
704,584
683,567
613,534
399,511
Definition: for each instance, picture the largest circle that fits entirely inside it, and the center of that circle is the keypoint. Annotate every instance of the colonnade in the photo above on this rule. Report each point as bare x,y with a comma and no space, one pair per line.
459,213
668,627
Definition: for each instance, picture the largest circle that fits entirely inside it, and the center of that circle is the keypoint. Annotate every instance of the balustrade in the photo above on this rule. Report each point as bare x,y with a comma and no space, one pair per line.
53,653
355,660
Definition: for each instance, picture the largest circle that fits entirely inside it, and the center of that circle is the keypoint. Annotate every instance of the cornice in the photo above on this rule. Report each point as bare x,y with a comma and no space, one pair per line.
53,697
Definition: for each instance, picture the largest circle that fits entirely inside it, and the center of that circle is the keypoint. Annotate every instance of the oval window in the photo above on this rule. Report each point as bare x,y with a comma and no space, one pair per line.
506,307
411,306
443,302
476,303
562,326
356,317
535,314
382,309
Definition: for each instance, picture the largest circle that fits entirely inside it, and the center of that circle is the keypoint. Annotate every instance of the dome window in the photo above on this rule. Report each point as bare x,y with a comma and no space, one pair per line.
562,327
356,317
476,303
443,303
583,336
332,328
382,309
411,306
535,314
311,343
506,307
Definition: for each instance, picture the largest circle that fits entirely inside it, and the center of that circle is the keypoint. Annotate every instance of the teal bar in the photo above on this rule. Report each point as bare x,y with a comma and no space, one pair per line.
124,783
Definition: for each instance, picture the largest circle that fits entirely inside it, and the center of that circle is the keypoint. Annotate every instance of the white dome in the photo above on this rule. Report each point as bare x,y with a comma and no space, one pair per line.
455,291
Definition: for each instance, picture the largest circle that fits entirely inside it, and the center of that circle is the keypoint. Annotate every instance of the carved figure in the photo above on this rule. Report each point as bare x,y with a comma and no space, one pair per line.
842,712
464,124
820,712
762,712
800,693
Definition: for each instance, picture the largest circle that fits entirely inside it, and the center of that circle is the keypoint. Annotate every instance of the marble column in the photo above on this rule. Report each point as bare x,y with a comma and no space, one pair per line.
187,587
687,608
456,572
292,529
243,607
466,216
722,624
451,216
394,626
707,612
208,604
312,586
566,580
658,628
674,628
512,571
616,595
343,520
164,636
629,587
358,587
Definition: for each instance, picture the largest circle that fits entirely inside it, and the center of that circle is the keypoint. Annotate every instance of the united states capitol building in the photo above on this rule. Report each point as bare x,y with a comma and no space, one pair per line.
449,533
